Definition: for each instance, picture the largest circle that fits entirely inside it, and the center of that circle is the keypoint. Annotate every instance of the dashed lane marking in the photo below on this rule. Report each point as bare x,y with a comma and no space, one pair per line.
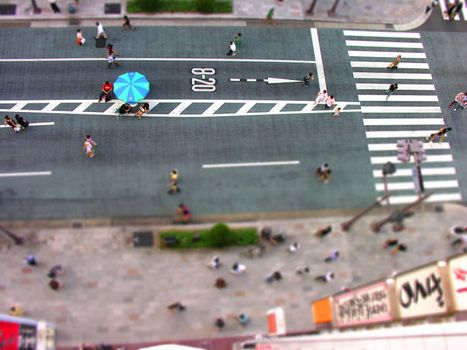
374,34
387,54
414,87
244,165
401,109
31,173
398,98
33,124
392,44
404,65
403,121
397,76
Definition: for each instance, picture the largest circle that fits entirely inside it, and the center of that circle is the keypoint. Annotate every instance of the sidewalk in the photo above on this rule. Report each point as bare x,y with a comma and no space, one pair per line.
347,11
116,293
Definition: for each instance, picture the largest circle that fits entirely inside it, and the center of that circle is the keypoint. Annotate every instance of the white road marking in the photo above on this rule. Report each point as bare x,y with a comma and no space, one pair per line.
33,124
212,108
245,108
415,87
243,165
278,107
387,54
400,109
19,106
370,64
180,108
403,121
155,59
113,107
31,173
381,34
425,172
51,106
251,80
83,106
281,81
370,43
464,11
441,158
395,186
375,147
400,133
319,59
392,76
399,98
437,197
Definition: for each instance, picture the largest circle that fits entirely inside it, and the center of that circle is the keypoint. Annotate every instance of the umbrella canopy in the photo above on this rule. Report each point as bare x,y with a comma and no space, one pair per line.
131,87
170,347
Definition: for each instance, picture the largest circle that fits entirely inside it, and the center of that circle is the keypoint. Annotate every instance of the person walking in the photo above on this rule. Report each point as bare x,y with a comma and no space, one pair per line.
101,34
55,271
441,134
330,101
321,97
219,323
324,173
395,62
183,212
21,121
232,49
243,319
293,248
392,88
322,232
326,278
89,139
238,41
177,306
55,284
307,78
30,260
88,149
332,257
11,123
111,55
173,184
337,112
270,16
80,39
54,6
126,23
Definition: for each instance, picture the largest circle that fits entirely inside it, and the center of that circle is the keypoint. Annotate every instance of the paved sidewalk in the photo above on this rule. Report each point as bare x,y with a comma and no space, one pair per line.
116,293
347,11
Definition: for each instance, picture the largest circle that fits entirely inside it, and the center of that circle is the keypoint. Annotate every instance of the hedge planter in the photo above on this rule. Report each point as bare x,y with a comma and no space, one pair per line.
202,6
219,236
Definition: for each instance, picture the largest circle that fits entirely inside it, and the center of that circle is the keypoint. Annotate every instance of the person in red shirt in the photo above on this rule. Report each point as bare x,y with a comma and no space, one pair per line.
183,213
106,93
10,122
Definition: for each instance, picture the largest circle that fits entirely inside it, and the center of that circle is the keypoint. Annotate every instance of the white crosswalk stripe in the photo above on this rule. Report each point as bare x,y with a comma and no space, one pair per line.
411,112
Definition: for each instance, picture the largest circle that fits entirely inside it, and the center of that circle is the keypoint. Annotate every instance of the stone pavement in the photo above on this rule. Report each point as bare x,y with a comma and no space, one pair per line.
347,11
116,293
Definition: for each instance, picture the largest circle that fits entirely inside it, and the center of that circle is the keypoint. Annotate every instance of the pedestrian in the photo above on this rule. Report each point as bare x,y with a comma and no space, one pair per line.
398,248
106,92
55,284
219,323
459,101
142,110
126,23
395,62
303,270
88,148
332,257
458,7
111,55
55,271
11,123
215,262
238,41
21,121
243,319
238,269
392,88
124,109
307,78
327,277
173,188
89,139
321,232
184,213
30,260
324,173
270,16
441,134
431,5
330,101
177,306
390,243
293,247
337,111
54,6
80,39
276,276
220,283
321,97
101,34
232,49
16,310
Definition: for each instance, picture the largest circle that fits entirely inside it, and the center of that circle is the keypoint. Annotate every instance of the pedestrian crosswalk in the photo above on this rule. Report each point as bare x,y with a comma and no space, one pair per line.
412,112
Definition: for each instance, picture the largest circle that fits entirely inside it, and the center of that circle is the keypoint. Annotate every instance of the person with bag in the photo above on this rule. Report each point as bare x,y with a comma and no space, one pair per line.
21,121
80,39
10,122
395,62
111,55
142,109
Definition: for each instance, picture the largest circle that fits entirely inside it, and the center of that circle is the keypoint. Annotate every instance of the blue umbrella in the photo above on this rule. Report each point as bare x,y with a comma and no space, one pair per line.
131,87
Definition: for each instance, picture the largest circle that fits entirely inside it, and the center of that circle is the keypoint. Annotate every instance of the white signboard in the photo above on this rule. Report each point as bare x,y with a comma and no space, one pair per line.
458,279
420,292
362,306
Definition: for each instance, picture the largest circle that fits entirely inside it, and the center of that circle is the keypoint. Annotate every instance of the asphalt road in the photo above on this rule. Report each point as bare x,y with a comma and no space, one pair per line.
129,175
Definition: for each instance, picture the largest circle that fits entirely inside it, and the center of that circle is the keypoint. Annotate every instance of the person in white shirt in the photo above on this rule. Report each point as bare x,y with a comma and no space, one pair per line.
215,262
232,49
238,269
321,96
328,277
330,101
100,31
293,247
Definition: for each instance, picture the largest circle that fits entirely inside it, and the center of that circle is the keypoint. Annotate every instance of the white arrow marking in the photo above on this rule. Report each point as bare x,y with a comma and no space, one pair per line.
280,81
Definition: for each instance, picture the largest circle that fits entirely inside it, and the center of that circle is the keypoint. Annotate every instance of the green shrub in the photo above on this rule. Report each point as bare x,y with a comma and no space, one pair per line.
205,6
150,5
219,236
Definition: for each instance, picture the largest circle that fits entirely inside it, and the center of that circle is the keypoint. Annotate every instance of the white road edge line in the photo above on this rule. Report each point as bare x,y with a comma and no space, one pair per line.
32,173
33,124
319,59
243,165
